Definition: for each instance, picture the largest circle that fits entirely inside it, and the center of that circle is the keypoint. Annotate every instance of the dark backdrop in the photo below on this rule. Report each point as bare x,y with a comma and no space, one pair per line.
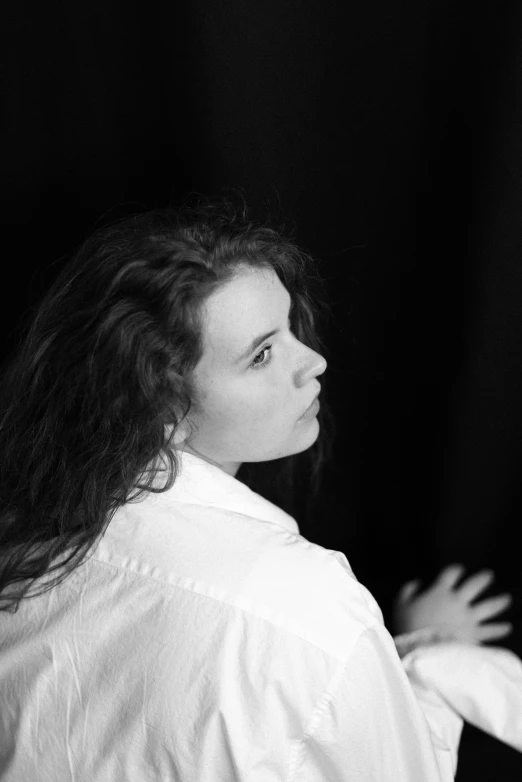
391,135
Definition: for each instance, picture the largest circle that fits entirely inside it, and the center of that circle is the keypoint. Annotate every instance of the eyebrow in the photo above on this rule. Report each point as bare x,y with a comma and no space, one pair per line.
255,344
257,341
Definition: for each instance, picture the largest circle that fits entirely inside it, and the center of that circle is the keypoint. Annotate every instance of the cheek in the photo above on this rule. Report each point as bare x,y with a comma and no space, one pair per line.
247,411
224,410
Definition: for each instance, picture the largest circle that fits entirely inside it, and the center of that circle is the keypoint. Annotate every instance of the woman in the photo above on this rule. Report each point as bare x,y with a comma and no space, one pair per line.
161,620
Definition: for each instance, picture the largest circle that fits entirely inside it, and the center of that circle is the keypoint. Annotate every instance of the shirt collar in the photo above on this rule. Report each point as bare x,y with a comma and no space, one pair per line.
201,483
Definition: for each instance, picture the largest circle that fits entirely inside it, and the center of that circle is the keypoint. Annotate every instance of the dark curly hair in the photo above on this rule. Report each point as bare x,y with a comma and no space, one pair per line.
101,378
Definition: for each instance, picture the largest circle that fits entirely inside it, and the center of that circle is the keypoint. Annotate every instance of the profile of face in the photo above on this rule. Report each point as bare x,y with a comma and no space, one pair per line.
255,379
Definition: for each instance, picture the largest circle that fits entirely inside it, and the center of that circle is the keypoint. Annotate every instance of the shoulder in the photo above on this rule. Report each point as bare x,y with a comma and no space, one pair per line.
265,569
311,591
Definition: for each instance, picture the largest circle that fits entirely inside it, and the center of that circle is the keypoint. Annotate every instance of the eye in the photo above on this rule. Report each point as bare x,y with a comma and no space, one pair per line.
258,365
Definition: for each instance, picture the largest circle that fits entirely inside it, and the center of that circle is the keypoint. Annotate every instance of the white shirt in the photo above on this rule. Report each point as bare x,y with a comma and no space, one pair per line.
207,641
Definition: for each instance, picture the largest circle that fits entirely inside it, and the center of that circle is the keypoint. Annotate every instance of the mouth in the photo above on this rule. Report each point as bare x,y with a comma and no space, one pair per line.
310,408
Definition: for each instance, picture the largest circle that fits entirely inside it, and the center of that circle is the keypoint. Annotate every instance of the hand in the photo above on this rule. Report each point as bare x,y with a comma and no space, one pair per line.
446,606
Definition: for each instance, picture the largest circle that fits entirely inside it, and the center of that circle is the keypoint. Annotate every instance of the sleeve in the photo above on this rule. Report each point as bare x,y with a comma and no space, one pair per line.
482,684
371,726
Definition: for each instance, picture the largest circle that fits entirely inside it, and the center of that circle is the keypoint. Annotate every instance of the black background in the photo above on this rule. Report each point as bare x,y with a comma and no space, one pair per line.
391,135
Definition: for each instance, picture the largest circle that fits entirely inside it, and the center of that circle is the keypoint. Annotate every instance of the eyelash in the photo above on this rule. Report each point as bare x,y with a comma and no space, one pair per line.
268,347
253,365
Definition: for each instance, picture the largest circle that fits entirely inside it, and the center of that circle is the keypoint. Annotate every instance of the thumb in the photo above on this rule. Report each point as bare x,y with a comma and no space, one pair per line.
407,590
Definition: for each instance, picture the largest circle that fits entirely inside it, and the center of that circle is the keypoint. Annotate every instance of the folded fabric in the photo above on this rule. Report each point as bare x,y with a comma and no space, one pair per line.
482,684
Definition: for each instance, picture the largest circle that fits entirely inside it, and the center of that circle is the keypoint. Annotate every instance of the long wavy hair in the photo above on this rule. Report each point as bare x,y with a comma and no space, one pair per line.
101,378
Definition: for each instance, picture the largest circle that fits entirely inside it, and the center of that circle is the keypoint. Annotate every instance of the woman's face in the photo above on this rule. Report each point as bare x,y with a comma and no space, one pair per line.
250,399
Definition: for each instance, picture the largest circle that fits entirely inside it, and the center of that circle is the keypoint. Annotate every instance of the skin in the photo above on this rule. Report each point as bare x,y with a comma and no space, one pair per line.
249,411
451,603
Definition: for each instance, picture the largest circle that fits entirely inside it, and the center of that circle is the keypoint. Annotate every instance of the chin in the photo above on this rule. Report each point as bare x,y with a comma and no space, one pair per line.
307,438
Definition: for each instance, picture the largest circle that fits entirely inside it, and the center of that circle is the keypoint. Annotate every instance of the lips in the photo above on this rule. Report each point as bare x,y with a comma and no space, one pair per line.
311,403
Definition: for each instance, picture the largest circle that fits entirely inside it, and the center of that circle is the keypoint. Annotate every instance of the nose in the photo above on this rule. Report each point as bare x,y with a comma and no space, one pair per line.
314,365
319,364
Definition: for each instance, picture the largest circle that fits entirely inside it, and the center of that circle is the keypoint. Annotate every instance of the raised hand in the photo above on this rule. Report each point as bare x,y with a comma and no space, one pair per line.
446,606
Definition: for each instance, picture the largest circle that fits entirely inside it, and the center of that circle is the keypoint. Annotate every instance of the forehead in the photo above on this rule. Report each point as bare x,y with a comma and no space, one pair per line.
252,303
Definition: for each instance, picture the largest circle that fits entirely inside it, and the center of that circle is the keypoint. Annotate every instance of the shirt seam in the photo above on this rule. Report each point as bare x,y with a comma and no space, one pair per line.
300,746
244,609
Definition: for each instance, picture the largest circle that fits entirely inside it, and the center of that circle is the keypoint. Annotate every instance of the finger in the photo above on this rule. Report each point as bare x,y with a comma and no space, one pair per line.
476,584
450,575
492,631
490,608
407,590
